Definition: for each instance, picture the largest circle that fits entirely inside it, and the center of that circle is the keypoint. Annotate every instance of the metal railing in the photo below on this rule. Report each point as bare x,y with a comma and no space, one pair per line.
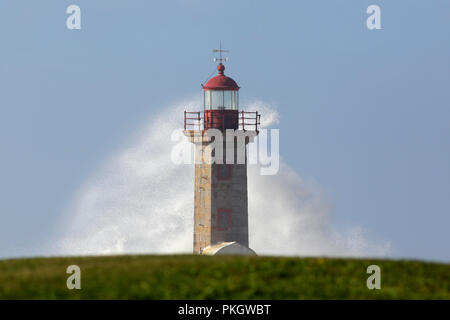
253,116
247,120
192,120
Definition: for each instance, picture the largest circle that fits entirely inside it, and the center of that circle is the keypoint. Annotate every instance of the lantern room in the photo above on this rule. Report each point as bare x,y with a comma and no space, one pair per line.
221,101
221,92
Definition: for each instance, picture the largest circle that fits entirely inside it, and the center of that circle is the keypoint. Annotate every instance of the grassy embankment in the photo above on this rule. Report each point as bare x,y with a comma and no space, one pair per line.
225,277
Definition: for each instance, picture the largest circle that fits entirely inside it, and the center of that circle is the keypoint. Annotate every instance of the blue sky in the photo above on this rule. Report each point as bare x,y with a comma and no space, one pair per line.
365,114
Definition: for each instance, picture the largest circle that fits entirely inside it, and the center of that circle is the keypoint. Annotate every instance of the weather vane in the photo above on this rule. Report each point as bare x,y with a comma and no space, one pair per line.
220,50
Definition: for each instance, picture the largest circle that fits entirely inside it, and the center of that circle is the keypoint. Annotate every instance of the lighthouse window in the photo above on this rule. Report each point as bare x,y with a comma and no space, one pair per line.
221,99
233,100
228,99
217,99
207,97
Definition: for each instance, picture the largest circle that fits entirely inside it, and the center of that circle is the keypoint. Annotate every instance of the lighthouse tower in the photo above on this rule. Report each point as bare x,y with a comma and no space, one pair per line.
220,196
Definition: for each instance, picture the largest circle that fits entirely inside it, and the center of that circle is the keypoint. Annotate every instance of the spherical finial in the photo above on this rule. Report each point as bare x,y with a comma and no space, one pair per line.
221,68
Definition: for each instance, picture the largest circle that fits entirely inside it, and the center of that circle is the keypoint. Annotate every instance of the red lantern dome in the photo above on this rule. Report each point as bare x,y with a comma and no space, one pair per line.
221,81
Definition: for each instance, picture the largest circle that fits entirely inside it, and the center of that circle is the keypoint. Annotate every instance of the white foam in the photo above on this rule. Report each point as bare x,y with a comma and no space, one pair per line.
140,202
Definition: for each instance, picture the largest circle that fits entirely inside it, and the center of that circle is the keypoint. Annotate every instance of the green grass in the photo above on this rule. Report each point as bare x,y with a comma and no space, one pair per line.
225,277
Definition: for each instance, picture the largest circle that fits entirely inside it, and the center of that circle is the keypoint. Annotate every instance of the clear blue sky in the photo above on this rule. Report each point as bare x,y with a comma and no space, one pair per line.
364,113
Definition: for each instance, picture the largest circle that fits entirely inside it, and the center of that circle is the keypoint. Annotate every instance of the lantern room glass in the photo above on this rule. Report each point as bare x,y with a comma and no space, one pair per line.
221,99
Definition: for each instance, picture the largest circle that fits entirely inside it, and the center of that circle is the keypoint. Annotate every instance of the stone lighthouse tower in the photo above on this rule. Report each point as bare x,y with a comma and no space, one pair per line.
220,133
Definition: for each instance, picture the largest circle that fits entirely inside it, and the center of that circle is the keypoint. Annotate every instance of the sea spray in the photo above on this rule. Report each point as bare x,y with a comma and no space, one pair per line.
139,201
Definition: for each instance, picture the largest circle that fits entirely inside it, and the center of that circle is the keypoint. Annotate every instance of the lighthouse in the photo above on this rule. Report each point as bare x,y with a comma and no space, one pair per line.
221,132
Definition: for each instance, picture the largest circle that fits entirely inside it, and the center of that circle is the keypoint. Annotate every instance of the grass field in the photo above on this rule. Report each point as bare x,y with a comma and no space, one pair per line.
225,277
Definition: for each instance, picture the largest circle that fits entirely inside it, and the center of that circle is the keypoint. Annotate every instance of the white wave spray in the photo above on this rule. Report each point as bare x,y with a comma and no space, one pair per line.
140,202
